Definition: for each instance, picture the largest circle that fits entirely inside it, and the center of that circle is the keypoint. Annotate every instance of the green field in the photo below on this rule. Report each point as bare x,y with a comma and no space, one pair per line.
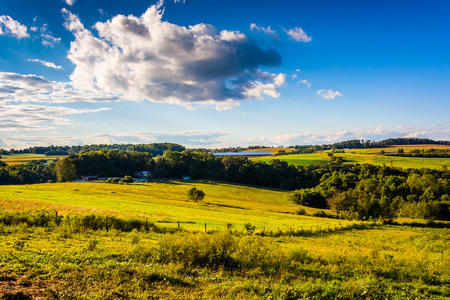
61,260
297,159
12,159
361,156
167,202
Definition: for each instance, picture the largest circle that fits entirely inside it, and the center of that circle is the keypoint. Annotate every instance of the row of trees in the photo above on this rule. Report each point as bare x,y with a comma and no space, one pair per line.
34,172
154,149
435,153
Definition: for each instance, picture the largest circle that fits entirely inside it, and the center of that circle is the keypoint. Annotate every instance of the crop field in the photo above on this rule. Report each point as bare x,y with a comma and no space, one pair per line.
12,159
63,259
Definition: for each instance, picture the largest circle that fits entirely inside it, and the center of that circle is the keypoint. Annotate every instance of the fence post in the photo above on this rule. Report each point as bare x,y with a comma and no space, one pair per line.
205,228
178,224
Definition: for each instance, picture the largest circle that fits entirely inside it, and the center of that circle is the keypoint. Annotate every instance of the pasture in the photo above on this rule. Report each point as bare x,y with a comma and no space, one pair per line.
167,203
369,156
58,260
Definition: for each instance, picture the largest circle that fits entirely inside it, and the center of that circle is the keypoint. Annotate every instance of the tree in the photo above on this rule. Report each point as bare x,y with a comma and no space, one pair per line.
65,170
195,195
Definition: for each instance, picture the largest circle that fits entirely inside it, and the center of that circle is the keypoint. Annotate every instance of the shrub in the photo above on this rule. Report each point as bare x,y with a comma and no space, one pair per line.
320,214
249,227
127,179
301,212
200,250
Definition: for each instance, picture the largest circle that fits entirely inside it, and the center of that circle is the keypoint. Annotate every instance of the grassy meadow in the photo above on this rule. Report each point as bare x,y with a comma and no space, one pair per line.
166,203
369,156
61,260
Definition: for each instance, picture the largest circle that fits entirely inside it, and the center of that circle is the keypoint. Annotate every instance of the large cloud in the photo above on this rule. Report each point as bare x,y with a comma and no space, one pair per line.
9,26
146,58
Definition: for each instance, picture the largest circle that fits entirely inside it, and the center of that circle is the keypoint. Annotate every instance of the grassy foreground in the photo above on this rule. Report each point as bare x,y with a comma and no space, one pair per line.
382,263
65,259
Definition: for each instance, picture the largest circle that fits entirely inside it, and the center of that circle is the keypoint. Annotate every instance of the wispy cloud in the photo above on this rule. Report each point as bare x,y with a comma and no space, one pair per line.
298,34
328,94
31,88
36,117
46,36
305,82
45,63
187,138
267,30
9,26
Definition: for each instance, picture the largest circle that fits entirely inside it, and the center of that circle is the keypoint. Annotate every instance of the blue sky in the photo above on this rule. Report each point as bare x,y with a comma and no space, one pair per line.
222,73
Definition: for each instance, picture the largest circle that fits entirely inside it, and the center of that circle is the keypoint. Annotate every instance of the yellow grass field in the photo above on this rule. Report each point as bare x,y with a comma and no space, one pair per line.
167,203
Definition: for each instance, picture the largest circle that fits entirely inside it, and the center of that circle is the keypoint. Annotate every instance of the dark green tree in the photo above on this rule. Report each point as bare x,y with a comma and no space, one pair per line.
195,195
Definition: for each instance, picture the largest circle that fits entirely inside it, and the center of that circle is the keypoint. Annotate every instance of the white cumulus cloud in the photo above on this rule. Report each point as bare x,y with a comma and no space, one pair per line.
70,2
9,26
144,58
328,94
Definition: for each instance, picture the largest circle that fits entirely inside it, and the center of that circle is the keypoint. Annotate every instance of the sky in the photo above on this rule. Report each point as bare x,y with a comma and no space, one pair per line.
216,74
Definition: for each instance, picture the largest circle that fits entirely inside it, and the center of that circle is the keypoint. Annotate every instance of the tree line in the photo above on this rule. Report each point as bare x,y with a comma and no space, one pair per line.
430,153
154,149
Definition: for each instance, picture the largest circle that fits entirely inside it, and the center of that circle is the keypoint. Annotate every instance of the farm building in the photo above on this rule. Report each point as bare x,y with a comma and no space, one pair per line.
141,174
88,177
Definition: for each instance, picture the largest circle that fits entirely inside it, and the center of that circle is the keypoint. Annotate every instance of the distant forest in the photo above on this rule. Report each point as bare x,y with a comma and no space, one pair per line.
156,149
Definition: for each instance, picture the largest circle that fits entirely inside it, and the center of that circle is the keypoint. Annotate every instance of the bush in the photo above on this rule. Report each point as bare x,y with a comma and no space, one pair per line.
200,250
249,227
195,195
127,179
301,212
320,214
